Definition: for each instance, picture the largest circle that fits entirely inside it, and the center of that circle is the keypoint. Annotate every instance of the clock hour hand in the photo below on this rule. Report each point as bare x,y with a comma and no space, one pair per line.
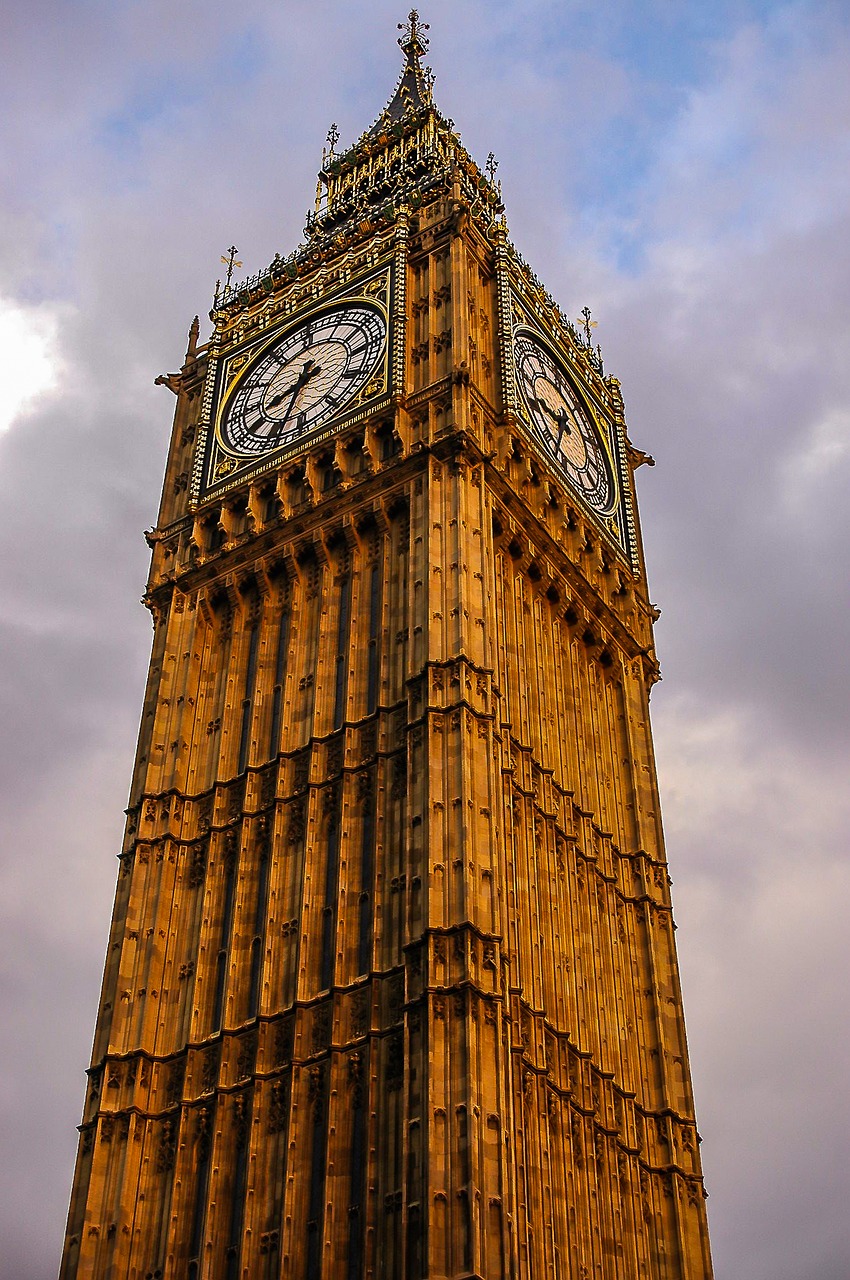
561,418
309,371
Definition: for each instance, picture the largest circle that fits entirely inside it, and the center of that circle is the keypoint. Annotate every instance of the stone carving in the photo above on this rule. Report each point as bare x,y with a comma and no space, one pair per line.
395,997
398,787
246,1056
278,1107
364,786
395,1061
297,817
230,848
175,1076
284,1037
209,1069
203,1132
301,770
322,1024
355,1077
205,812
315,1085
335,753
167,1149
268,786
197,860
360,1012
369,739
241,1117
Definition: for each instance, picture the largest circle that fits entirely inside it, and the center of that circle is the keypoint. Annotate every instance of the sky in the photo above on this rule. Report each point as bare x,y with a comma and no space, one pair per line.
681,168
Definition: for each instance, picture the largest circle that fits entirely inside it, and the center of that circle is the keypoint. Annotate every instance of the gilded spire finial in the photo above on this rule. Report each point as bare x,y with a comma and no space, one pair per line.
587,324
231,263
412,34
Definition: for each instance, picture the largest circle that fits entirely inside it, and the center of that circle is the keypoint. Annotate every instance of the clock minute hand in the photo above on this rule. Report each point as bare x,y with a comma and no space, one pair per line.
309,370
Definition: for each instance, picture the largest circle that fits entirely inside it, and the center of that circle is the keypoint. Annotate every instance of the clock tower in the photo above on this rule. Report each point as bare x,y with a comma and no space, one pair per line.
391,988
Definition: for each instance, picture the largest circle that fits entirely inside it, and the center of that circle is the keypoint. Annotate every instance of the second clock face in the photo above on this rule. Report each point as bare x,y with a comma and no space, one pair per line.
562,424
312,373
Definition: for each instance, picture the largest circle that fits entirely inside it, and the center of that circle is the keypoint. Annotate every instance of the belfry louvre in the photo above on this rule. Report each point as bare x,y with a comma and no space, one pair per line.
391,988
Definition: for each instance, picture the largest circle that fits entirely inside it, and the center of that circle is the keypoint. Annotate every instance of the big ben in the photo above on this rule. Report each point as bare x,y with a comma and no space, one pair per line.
391,987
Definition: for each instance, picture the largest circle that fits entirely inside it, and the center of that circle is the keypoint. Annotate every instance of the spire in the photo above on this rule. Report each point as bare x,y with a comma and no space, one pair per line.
410,154
414,89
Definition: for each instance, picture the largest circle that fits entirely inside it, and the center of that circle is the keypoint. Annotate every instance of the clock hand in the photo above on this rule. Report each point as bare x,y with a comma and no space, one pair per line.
562,418
564,428
309,370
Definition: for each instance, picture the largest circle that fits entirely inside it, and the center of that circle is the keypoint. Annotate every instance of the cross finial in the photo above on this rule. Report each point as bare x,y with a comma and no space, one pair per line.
413,33
231,263
492,166
332,139
587,324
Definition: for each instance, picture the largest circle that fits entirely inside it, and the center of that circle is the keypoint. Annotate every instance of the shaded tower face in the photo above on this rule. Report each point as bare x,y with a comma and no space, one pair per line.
391,988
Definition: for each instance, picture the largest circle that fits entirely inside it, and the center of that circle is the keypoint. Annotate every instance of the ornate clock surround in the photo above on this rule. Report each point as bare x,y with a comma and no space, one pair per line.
217,467
616,519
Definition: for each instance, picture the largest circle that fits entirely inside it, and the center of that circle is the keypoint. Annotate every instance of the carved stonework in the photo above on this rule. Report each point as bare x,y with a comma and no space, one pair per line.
322,1024
297,819
167,1149
197,860
278,1107
209,1069
175,1075
360,1013
395,1060
283,1042
355,1077
246,1056
301,770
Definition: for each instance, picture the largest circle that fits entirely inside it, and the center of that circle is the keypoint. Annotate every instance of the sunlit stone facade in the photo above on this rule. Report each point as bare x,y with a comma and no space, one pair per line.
391,988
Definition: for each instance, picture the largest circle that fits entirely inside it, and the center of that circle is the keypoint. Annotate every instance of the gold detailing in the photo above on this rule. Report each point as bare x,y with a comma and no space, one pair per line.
235,366
373,388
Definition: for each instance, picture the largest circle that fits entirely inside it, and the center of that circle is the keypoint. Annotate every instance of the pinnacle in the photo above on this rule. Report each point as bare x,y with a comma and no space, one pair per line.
414,89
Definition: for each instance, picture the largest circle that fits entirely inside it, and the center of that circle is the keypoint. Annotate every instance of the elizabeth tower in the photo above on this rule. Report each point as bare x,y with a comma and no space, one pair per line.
391,989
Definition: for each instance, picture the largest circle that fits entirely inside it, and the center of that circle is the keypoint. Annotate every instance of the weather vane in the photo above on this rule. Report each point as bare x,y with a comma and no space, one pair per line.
413,31
231,264
587,324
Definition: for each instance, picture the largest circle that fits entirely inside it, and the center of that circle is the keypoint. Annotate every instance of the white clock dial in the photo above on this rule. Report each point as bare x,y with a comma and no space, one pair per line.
311,374
562,424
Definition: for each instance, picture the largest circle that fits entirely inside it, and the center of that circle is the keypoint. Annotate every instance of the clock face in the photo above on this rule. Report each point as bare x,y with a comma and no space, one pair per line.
562,424
310,374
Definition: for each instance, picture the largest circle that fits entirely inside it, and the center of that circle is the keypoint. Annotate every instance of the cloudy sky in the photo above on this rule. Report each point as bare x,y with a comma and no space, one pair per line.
684,169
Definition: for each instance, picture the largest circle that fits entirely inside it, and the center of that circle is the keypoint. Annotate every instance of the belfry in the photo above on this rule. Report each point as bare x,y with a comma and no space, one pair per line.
391,988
